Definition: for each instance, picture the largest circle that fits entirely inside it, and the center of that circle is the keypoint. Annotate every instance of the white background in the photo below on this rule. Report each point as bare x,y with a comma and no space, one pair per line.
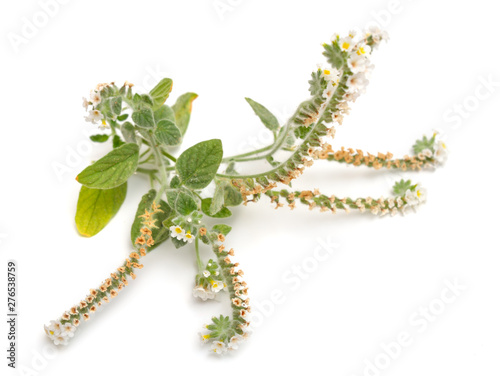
362,296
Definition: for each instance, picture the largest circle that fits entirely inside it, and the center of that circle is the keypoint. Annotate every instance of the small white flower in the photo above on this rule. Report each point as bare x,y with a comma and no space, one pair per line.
427,153
177,232
202,293
219,347
411,197
95,98
217,286
421,193
329,91
400,202
441,153
206,273
363,49
85,103
357,63
346,44
204,336
188,237
94,116
390,203
357,81
234,342
60,340
68,330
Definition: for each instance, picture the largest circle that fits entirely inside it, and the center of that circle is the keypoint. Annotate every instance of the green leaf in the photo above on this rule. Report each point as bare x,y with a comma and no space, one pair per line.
198,165
144,118
96,207
178,243
267,118
317,84
401,187
164,113
334,55
160,92
232,196
117,141
175,182
424,143
112,170
100,137
167,133
222,229
182,202
116,105
122,117
161,233
182,109
128,132
205,208
218,199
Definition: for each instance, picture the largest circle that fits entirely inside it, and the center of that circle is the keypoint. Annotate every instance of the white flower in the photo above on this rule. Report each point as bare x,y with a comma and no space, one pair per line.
94,117
357,63
204,336
335,37
346,44
390,203
217,286
441,152
188,237
177,232
329,91
219,347
421,193
85,103
363,49
357,81
202,293
95,97
234,342
377,34
329,74
427,153
206,273
68,330
411,197
399,202
60,340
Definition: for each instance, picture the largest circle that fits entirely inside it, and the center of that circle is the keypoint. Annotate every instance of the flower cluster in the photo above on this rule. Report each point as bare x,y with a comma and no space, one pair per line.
61,330
225,333
208,282
407,196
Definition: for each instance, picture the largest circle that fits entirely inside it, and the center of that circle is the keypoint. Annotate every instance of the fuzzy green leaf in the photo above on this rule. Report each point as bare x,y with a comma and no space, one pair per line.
218,199
182,109
267,118
128,132
232,196
116,105
182,202
222,229
96,207
198,165
144,118
401,187
424,143
167,133
111,170
205,208
334,55
99,137
164,113
160,92
161,233
117,141
317,84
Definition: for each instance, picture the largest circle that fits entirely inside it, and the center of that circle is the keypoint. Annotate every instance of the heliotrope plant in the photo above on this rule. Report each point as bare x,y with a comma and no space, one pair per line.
202,183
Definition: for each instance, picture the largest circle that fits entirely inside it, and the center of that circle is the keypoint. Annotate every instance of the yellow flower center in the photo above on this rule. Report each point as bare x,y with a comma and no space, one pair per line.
345,45
361,51
178,230
327,72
